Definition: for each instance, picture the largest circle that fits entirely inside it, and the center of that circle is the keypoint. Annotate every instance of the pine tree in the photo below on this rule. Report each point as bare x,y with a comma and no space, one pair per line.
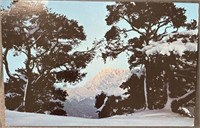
48,41
148,22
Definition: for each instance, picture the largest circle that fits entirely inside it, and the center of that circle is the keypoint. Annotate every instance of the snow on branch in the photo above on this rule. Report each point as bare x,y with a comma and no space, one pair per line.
178,46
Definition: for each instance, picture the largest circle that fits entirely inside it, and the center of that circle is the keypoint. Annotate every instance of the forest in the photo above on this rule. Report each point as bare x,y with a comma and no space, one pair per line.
161,47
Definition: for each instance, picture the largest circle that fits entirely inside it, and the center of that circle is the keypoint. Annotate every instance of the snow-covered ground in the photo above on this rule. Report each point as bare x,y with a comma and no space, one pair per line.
144,118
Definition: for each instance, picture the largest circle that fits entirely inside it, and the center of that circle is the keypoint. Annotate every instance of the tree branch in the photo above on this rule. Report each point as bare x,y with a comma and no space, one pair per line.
161,24
6,64
186,95
38,69
37,39
27,65
185,76
124,30
24,53
162,35
51,51
133,28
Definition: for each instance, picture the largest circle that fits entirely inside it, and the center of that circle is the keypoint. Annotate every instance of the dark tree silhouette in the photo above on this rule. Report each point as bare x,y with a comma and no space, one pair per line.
145,22
116,105
135,87
48,41
149,20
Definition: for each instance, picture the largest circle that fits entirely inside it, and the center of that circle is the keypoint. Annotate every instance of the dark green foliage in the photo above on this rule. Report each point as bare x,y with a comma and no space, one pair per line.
140,16
171,76
178,105
100,100
111,107
135,86
175,72
112,34
149,21
156,82
14,93
59,112
46,97
69,76
184,74
116,105
177,75
47,40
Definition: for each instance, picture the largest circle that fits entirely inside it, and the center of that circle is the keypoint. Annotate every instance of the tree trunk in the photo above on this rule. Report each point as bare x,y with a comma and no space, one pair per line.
28,99
182,100
145,92
156,84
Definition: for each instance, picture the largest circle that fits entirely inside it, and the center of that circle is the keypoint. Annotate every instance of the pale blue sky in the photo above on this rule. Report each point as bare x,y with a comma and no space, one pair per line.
92,16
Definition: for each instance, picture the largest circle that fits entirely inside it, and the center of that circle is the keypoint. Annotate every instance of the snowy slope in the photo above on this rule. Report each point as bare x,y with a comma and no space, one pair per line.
144,118
81,100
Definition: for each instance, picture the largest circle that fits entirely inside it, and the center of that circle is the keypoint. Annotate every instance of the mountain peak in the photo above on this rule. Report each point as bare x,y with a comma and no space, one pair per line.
106,78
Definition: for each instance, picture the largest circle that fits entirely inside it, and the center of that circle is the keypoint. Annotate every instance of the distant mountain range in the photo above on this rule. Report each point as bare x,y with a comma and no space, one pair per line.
81,100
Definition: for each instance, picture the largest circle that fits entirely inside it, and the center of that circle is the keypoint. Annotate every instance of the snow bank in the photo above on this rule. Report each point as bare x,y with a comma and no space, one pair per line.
145,118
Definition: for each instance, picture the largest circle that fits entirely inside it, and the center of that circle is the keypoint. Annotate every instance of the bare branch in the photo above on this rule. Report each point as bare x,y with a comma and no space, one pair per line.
37,39
160,25
124,30
6,64
162,35
24,53
133,28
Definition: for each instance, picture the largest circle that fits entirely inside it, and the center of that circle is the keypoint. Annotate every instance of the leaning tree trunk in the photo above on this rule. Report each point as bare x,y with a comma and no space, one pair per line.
182,100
